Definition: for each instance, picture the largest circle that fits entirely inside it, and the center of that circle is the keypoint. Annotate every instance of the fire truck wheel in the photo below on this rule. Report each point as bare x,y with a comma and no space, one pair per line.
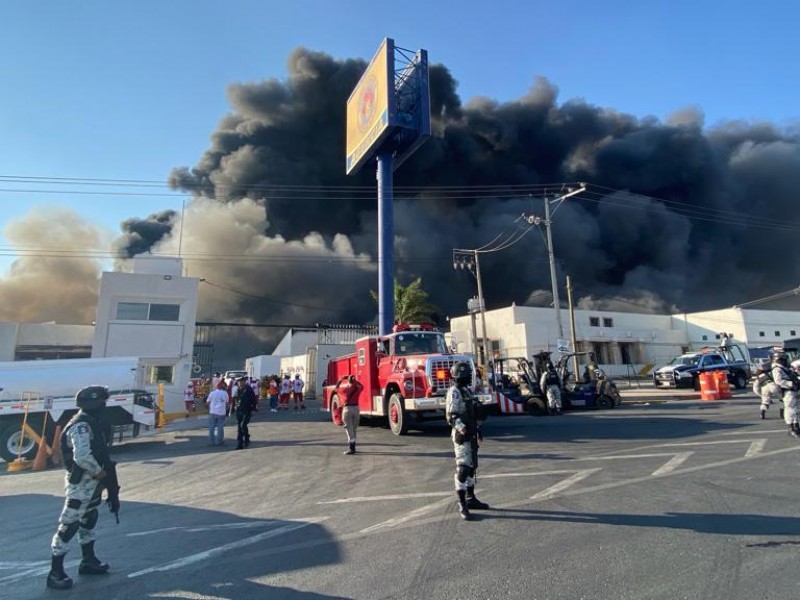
398,419
336,411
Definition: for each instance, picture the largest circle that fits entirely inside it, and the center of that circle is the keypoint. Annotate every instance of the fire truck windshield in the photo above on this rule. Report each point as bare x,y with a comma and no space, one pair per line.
419,342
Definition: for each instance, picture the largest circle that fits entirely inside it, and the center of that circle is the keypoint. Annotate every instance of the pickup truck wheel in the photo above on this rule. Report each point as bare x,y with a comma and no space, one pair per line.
398,419
696,383
10,442
336,411
739,380
604,401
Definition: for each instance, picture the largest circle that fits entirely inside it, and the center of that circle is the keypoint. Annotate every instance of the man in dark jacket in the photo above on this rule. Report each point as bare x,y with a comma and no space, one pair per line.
245,403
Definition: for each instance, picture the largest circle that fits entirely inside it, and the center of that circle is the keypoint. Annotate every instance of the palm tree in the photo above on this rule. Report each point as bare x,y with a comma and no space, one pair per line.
411,303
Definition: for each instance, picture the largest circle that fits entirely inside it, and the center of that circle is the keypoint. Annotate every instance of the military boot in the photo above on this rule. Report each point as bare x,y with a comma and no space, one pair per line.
463,509
91,565
57,578
351,449
763,414
473,502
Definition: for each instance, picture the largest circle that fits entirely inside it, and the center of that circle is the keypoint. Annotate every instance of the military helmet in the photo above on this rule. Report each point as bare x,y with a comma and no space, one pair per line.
461,373
93,396
779,356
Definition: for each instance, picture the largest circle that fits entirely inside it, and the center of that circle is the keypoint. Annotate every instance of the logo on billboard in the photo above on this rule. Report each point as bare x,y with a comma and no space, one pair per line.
367,103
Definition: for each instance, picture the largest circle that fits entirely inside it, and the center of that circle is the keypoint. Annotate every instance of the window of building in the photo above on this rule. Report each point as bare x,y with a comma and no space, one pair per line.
777,334
160,374
164,312
760,334
716,337
792,332
705,338
145,311
594,321
608,322
132,311
628,353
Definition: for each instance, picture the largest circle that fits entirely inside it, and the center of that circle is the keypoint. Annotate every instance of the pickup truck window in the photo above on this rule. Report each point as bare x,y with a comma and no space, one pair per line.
713,360
688,361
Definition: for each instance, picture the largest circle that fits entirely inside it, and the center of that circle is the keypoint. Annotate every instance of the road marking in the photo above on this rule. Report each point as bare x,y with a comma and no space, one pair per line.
34,569
382,498
671,464
5,565
615,457
757,447
206,554
196,528
716,443
564,484
527,474
751,432
408,516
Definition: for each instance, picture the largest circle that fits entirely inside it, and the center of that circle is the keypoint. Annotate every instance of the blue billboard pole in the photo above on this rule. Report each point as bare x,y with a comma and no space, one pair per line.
388,117
385,243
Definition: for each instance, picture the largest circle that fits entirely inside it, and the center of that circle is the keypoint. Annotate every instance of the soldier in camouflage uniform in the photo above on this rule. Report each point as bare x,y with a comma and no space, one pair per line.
89,471
465,414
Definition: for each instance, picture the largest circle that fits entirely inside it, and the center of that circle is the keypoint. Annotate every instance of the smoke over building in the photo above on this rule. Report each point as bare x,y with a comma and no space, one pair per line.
677,216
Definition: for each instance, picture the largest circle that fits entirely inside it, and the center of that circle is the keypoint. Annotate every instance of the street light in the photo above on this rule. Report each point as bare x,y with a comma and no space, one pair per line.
468,259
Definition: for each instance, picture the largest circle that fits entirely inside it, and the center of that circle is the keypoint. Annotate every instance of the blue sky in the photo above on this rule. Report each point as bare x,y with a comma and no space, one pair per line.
96,89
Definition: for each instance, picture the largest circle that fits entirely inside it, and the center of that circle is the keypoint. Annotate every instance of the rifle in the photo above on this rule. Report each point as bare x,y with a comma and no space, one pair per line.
111,483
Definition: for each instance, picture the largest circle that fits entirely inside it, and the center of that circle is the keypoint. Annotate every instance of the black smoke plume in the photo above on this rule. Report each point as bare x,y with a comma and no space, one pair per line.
677,216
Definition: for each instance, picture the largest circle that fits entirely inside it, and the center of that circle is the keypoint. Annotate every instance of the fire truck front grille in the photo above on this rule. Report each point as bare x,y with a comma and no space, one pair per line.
439,386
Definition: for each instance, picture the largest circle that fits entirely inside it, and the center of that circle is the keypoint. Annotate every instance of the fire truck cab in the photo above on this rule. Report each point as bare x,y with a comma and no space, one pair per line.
404,376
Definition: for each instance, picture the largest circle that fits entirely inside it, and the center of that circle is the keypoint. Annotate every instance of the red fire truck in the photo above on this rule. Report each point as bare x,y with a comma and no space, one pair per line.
405,376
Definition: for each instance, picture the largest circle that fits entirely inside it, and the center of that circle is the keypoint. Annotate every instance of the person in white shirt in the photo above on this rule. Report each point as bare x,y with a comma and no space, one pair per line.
286,389
217,410
297,386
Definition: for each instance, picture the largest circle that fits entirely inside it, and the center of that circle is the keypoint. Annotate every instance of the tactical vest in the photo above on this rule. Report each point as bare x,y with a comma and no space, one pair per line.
98,445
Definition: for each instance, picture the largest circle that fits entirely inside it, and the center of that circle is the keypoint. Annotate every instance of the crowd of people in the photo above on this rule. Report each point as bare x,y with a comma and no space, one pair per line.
239,398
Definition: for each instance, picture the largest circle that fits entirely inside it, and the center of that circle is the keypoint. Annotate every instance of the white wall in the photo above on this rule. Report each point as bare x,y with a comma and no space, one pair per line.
159,343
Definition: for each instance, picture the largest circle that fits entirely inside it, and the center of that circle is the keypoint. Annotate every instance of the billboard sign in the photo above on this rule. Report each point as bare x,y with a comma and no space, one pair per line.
370,108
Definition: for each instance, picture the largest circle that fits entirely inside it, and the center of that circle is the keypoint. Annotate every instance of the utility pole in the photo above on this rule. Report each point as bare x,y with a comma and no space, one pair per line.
548,222
469,259
552,258
572,327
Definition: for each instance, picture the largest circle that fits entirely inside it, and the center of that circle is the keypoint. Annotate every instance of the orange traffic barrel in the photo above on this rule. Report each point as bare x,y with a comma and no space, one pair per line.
708,388
723,387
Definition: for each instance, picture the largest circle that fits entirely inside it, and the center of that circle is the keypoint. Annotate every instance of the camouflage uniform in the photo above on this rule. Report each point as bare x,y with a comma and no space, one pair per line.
82,497
462,413
90,470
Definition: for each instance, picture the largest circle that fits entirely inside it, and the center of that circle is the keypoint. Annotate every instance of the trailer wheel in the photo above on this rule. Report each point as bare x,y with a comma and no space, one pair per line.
398,418
336,411
537,406
604,401
12,442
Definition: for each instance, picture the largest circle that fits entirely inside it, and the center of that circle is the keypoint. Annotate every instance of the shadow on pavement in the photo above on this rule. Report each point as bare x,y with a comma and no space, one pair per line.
712,523
583,428
168,551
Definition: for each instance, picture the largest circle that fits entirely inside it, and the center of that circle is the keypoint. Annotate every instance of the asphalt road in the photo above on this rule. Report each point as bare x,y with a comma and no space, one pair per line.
670,500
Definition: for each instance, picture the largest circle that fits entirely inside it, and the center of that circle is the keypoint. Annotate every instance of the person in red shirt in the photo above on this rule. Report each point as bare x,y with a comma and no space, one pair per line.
349,390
